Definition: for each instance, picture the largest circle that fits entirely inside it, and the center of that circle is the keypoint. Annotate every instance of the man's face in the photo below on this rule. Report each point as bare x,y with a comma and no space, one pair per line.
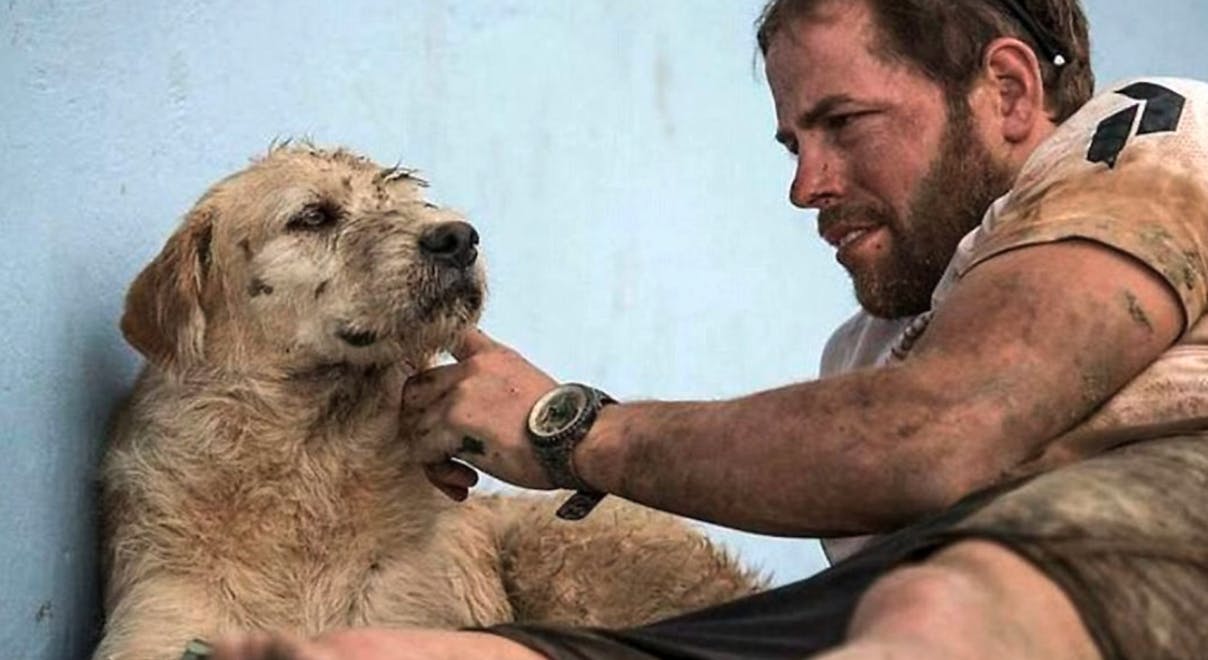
897,173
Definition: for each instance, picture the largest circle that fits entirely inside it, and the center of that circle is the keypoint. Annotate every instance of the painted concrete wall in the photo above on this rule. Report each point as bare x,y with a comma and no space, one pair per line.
615,154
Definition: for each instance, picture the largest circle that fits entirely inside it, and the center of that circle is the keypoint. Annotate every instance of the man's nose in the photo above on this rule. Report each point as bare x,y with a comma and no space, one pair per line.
451,244
816,182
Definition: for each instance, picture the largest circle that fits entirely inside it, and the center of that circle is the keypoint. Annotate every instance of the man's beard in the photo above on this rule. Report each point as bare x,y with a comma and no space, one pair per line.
962,182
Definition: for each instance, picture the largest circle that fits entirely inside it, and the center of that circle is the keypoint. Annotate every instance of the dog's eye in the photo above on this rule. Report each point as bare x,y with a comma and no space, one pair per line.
314,216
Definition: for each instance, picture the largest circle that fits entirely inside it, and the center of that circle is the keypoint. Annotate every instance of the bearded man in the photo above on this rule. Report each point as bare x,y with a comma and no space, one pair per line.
1019,406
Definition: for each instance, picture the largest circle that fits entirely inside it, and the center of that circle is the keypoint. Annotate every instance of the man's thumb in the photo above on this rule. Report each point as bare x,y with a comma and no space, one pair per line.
472,342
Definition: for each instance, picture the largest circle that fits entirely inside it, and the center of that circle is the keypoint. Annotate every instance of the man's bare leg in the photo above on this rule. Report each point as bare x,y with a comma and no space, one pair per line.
372,644
973,600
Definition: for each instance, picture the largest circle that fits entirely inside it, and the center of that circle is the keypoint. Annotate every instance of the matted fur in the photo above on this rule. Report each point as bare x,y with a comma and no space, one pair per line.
258,479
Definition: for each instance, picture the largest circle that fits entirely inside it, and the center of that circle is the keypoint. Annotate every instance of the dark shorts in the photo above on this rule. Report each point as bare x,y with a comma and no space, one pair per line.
1124,534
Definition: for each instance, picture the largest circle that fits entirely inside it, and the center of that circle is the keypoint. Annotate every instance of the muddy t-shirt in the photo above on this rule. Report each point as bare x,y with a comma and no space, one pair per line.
1128,171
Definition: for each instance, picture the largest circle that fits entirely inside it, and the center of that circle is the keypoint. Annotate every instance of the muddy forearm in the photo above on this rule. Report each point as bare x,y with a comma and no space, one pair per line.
809,459
1013,360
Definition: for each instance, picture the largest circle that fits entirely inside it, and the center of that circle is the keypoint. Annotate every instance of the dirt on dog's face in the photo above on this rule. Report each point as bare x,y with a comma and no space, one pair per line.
306,259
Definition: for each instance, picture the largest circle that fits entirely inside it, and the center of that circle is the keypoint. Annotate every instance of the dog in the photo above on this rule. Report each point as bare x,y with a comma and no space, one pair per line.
258,479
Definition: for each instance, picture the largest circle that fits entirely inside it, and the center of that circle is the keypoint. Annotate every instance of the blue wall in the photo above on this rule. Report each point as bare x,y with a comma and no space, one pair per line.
616,152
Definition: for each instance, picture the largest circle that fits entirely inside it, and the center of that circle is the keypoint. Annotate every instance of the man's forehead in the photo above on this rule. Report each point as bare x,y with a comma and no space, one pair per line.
824,63
828,27
822,51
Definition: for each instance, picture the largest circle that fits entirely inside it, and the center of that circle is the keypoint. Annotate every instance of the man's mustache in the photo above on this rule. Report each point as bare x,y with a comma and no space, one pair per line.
854,215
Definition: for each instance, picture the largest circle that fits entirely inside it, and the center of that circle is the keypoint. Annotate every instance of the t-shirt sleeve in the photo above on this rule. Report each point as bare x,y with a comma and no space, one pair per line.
1129,171
862,341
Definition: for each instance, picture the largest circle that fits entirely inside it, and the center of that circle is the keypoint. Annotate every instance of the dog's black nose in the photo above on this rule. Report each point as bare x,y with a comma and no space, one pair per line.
451,243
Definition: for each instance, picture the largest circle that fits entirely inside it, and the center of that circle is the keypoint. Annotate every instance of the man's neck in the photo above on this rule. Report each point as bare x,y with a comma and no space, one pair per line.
1019,153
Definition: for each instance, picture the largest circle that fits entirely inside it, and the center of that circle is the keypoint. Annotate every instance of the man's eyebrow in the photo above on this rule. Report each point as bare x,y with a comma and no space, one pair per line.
811,117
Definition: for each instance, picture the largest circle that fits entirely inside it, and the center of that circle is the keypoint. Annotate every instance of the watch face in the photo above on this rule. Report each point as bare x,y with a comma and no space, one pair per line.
558,411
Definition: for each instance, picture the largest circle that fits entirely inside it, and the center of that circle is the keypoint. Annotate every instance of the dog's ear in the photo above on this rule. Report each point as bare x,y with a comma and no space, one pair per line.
164,318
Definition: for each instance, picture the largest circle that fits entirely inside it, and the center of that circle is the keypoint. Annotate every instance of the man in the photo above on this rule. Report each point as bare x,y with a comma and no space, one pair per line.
1064,328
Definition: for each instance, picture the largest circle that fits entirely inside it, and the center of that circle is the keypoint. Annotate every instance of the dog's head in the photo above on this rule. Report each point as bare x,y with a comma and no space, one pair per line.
305,259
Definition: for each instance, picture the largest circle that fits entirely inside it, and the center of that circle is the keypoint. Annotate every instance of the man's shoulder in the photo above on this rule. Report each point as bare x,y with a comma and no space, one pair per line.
1162,91
1137,136
1128,171
1130,123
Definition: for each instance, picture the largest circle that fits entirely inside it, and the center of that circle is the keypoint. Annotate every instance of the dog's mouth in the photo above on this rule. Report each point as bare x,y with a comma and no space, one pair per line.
430,319
453,296
463,300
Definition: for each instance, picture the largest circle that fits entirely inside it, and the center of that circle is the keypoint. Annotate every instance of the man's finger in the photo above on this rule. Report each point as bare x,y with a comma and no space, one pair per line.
265,646
473,342
454,493
451,473
247,646
422,389
450,480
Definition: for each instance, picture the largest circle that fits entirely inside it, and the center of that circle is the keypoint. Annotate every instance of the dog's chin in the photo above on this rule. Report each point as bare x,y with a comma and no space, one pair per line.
444,318
454,296
416,331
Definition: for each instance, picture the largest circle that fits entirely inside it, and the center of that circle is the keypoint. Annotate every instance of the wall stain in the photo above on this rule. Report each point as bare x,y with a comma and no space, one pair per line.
178,78
46,611
16,33
662,88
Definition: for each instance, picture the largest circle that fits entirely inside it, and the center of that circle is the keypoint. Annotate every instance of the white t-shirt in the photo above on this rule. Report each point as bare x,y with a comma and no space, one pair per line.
1130,171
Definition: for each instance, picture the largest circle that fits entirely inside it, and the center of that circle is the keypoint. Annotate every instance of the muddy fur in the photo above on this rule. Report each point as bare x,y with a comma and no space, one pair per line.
258,477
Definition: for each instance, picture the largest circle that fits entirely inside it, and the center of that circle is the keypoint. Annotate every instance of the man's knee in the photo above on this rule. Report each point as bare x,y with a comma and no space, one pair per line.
918,601
974,597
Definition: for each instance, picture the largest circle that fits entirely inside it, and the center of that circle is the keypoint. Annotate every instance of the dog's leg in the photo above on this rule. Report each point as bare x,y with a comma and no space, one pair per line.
157,618
623,565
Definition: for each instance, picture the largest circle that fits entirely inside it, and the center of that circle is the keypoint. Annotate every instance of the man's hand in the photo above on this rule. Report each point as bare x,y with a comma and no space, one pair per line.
475,410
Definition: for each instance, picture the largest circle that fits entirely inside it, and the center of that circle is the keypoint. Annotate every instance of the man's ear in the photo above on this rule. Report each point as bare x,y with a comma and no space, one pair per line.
164,318
1014,72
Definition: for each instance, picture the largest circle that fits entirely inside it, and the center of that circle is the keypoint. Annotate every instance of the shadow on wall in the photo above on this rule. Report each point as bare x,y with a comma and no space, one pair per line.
107,366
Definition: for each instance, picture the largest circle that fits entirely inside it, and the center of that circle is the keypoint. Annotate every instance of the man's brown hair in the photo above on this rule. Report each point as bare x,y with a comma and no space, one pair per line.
945,40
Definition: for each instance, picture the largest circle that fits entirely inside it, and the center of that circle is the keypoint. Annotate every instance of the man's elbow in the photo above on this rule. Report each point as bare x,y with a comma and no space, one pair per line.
922,488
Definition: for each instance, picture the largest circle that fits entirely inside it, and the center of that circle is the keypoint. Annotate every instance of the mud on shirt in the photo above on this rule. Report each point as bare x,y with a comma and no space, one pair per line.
1129,171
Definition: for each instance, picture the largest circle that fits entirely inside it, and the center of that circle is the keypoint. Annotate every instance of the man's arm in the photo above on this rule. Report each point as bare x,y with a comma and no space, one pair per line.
1026,345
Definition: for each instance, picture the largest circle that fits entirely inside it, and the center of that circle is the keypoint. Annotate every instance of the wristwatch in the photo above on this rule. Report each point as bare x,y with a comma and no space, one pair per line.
557,423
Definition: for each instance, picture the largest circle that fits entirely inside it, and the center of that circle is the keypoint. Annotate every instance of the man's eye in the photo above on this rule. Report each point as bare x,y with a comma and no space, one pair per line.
836,123
839,122
313,217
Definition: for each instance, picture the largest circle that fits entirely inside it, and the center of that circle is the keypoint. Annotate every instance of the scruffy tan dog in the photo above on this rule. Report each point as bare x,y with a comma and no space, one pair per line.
258,478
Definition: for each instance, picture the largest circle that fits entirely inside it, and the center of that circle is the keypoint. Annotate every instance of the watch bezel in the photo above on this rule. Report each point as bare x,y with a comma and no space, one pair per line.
583,401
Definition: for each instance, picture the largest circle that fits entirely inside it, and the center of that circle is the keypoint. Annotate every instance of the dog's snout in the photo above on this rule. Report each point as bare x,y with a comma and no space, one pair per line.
451,243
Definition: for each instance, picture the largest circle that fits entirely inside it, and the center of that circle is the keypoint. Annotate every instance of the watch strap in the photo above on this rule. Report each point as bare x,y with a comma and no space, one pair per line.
577,506
585,499
557,458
